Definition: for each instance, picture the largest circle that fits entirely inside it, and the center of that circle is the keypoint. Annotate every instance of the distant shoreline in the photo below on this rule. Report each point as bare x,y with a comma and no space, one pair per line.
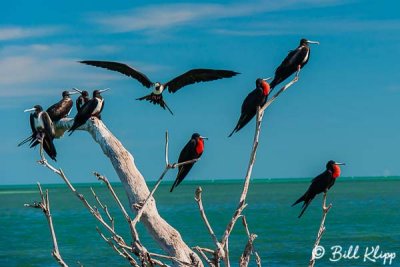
226,181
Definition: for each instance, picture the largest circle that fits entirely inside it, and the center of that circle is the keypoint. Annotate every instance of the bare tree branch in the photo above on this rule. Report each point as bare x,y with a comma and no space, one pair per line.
44,205
325,210
104,207
242,200
245,258
220,250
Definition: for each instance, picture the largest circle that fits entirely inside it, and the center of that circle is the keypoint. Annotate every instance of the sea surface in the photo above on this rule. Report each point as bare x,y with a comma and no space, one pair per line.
365,214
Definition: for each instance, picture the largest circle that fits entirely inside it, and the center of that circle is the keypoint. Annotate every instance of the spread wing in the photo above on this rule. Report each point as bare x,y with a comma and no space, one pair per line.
197,75
121,68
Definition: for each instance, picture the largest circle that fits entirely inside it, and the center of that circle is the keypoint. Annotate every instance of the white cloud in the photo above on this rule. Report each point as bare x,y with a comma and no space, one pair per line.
40,69
161,17
18,32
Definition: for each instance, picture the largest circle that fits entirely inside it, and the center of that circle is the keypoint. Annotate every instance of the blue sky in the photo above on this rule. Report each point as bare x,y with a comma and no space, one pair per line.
345,106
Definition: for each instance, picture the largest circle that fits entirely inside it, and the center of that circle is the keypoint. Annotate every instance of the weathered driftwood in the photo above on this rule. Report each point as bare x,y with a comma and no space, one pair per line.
137,191
325,210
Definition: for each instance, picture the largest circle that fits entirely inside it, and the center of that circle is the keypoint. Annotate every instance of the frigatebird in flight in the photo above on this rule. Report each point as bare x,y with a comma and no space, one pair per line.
257,98
189,77
192,150
82,99
321,183
92,108
294,61
42,131
62,108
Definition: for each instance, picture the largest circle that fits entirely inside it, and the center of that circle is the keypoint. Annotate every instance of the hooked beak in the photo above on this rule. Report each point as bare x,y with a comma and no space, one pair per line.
104,90
203,137
313,42
29,110
266,79
340,163
77,90
74,92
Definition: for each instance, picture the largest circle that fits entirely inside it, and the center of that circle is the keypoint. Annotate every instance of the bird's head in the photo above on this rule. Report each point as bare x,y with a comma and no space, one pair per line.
97,93
334,168
197,136
36,109
158,87
263,85
68,93
83,93
305,42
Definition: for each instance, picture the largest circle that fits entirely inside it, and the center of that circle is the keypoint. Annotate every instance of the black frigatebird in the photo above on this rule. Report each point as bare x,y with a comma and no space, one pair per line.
192,150
189,77
92,108
42,131
82,99
257,98
321,183
294,61
62,108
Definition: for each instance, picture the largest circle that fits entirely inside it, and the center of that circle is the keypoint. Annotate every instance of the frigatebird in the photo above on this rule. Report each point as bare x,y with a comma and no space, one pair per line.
62,108
82,99
190,77
294,61
321,183
257,98
42,131
192,150
92,108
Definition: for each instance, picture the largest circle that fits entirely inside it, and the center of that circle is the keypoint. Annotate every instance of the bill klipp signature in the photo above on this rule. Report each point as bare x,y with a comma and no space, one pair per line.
373,254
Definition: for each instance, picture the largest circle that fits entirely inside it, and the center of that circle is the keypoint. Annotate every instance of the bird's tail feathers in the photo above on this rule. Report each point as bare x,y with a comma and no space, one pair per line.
26,140
305,205
156,100
302,198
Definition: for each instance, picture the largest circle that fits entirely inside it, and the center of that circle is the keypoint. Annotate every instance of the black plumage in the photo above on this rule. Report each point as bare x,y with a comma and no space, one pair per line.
189,77
256,98
42,131
92,108
62,108
294,61
82,99
192,150
321,183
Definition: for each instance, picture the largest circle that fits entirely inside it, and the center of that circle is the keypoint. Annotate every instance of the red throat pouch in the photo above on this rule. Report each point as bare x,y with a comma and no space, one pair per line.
336,171
265,87
199,146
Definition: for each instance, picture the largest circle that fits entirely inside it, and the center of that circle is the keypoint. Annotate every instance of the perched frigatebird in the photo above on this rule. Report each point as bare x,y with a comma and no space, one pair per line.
62,108
294,61
82,99
321,183
42,131
189,77
257,98
92,108
192,150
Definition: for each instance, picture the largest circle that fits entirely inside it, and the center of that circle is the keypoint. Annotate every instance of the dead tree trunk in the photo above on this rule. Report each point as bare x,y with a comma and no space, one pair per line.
137,191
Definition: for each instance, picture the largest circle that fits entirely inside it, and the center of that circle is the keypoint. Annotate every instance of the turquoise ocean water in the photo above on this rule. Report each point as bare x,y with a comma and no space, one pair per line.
365,213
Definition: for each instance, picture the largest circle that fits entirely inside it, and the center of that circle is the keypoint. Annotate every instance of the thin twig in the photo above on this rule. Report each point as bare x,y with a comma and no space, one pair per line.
250,236
220,250
104,207
44,205
201,252
325,210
